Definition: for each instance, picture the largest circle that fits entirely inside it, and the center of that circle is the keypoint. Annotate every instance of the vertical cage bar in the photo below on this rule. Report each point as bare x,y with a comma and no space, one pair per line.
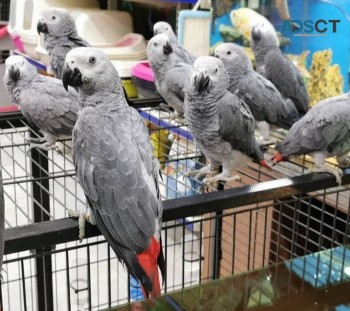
41,201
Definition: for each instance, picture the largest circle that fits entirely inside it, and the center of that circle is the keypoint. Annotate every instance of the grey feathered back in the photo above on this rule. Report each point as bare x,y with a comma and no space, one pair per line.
326,127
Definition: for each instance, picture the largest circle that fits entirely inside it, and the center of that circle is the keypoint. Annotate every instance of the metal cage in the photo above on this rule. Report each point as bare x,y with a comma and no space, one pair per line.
268,219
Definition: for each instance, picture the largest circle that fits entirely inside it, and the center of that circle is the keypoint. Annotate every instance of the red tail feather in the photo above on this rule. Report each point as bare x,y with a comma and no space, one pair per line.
278,158
148,261
264,164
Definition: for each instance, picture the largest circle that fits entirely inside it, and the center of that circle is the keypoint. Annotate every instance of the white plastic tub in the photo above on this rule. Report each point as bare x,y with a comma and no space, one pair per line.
24,15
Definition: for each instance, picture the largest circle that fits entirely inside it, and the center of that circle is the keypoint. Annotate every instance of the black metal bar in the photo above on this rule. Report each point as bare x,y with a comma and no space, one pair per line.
24,287
41,200
217,240
89,276
53,232
68,281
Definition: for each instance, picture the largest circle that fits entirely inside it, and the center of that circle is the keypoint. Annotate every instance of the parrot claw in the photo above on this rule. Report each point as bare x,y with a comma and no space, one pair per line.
35,140
206,170
343,161
83,218
220,177
336,172
45,146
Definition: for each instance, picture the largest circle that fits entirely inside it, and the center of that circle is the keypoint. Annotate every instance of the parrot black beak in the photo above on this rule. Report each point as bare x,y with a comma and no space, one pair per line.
71,77
156,32
14,73
201,82
217,56
41,27
167,49
256,35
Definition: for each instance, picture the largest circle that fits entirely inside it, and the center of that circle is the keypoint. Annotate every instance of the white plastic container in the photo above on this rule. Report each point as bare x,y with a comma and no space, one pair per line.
24,15
102,28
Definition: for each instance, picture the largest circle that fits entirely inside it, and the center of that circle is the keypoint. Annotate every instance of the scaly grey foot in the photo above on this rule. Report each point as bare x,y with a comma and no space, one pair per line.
220,177
336,172
35,139
45,146
83,217
205,170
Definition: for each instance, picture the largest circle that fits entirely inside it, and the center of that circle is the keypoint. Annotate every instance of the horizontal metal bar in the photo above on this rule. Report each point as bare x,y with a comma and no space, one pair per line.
65,230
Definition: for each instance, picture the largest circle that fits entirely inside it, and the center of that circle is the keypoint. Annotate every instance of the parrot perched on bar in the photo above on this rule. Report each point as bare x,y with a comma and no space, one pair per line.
171,73
264,100
179,50
221,124
43,101
116,167
324,131
276,67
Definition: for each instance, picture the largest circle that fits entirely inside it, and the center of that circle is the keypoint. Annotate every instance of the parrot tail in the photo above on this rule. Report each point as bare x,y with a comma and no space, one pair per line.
277,158
148,261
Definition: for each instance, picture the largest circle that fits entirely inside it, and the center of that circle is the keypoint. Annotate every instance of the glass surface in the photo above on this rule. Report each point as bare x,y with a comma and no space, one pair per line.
319,281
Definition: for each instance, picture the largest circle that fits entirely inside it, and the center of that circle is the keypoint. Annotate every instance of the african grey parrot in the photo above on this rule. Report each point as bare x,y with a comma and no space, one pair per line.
115,166
43,101
324,131
179,50
171,74
60,35
221,124
276,67
264,100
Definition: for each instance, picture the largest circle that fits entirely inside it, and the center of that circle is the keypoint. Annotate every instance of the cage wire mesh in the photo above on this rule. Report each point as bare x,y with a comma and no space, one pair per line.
87,276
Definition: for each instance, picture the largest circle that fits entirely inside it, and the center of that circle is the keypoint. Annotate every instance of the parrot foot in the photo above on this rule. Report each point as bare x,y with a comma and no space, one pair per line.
177,118
220,177
164,106
336,172
35,140
83,218
343,161
263,143
45,146
206,170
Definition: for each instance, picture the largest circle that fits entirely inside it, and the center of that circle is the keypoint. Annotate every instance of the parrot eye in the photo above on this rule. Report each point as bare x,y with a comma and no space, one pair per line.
228,52
92,60
216,70
53,17
166,29
155,44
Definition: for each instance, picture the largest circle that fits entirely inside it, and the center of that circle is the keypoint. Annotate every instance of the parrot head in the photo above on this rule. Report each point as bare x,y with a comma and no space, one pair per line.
209,75
263,35
164,27
232,56
18,68
159,48
91,70
56,22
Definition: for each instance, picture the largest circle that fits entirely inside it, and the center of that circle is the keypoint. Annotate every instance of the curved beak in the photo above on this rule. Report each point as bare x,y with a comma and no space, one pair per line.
156,32
167,49
201,82
42,27
14,73
256,35
72,77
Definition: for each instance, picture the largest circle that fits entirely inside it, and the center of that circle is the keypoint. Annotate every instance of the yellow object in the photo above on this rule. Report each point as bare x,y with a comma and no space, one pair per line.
300,62
325,80
129,87
161,140
244,19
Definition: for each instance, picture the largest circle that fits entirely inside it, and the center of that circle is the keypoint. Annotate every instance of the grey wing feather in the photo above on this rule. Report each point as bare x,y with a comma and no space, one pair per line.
288,80
184,55
49,107
117,170
325,126
237,125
